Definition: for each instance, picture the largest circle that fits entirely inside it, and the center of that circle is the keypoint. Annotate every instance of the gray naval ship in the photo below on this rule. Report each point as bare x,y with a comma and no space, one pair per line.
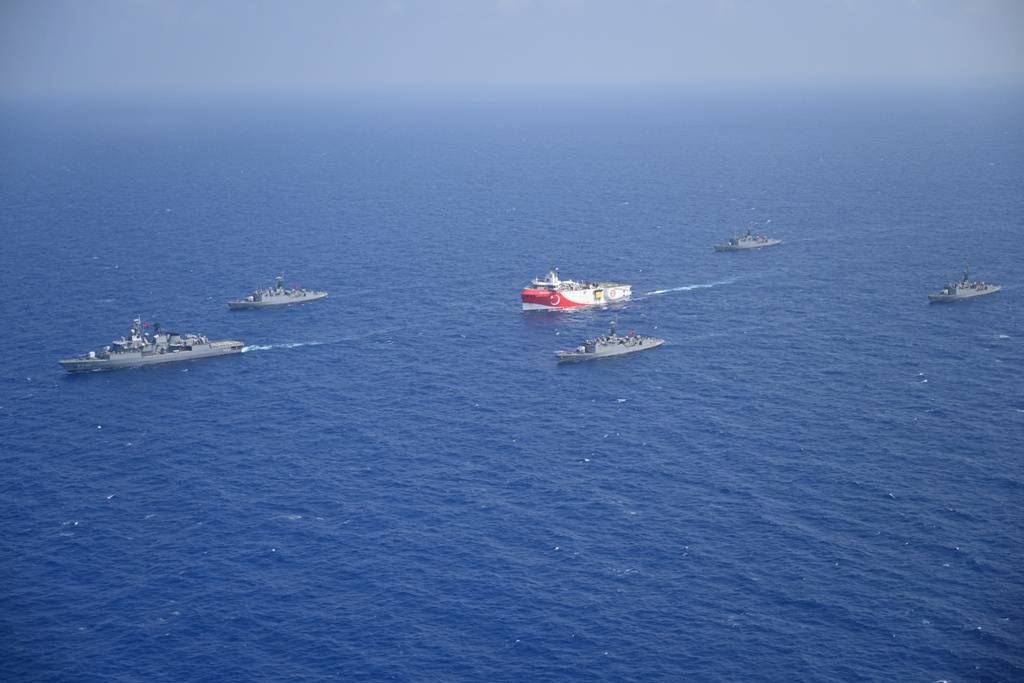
278,295
746,242
609,346
964,289
141,348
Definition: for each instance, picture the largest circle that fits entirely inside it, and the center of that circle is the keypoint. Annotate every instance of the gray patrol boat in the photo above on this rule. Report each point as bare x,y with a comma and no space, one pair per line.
747,242
278,295
964,289
609,346
141,348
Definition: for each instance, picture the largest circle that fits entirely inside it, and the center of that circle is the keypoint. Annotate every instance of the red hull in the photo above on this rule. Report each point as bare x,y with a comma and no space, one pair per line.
548,299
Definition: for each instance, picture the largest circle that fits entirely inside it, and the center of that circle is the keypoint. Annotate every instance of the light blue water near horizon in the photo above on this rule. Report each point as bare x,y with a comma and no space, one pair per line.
818,479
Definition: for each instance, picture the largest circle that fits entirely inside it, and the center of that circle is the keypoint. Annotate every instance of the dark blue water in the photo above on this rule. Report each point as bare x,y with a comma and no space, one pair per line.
819,479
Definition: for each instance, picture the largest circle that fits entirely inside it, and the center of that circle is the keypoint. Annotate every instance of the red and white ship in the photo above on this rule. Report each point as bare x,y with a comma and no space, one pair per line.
553,293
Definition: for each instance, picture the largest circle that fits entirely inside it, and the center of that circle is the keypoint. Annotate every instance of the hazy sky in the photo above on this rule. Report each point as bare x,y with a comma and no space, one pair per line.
57,46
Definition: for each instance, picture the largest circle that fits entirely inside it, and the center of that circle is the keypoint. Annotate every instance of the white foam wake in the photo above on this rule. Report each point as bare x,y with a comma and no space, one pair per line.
295,345
267,347
687,288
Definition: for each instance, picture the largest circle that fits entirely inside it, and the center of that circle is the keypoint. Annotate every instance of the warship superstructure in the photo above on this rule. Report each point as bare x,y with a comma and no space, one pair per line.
141,348
609,346
553,293
747,242
277,295
963,289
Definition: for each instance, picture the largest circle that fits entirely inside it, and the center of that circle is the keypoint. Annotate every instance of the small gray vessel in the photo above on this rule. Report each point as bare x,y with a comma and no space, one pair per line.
141,348
747,242
609,346
964,289
278,295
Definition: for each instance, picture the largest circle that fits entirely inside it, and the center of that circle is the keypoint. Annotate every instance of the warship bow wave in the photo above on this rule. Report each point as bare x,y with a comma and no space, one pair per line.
141,348
747,242
278,295
553,293
964,289
609,346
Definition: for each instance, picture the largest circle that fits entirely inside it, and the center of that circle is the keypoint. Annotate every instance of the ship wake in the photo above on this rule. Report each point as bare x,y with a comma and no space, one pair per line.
325,342
687,288
292,345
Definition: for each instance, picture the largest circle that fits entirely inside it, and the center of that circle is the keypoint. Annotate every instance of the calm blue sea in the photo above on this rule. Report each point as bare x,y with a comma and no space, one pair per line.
820,478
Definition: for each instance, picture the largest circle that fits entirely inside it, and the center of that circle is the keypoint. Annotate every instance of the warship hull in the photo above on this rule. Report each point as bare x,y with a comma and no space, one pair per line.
559,300
122,361
611,351
962,295
276,301
747,247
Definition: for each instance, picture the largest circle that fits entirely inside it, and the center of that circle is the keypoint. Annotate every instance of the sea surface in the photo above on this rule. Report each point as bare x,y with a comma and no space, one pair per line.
819,478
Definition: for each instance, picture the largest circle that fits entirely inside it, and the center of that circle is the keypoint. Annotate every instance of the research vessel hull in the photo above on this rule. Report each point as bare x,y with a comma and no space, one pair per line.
555,294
